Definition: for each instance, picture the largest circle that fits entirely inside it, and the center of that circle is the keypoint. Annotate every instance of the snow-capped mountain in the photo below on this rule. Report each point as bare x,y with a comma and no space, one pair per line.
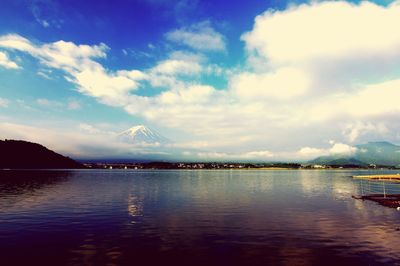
143,135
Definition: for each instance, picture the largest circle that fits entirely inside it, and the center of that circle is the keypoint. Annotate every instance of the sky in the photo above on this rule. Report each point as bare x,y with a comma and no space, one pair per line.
224,80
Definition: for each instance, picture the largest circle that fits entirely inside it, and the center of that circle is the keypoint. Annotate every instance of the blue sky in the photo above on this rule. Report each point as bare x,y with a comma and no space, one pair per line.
267,80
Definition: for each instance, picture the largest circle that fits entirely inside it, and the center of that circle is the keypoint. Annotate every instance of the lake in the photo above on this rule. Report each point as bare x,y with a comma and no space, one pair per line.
210,217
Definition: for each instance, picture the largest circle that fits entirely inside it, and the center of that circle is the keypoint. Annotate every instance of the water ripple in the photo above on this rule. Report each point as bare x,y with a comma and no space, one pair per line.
196,217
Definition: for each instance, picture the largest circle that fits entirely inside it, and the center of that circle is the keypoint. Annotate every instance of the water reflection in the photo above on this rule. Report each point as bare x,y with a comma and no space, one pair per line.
135,206
25,189
20,182
196,217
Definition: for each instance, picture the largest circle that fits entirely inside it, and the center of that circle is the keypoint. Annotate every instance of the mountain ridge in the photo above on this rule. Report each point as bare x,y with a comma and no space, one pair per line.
377,152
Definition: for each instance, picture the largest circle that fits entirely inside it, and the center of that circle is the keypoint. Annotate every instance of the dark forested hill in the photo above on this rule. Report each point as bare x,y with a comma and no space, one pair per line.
17,154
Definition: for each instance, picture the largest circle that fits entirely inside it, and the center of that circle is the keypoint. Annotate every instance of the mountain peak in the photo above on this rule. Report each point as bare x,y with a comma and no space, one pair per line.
140,134
137,128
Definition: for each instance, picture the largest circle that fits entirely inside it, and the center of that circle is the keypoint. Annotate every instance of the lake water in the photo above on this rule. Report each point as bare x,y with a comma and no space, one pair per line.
93,217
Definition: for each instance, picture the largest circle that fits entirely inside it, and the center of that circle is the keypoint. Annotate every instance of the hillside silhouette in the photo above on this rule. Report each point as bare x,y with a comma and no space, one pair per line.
18,154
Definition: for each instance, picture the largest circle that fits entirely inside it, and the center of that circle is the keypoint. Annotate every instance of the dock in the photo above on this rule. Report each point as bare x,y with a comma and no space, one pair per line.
383,189
391,177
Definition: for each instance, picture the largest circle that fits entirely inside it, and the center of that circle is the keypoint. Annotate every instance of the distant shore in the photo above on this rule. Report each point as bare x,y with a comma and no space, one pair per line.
228,166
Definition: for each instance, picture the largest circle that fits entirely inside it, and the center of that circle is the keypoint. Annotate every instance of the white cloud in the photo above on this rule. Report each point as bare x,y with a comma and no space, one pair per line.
257,155
310,152
355,130
190,95
341,148
69,105
6,62
132,74
78,63
169,72
199,36
48,103
73,105
44,75
368,101
335,149
98,83
336,56
16,42
213,155
283,84
62,55
46,13
44,23
4,103
177,67
251,155
88,128
326,30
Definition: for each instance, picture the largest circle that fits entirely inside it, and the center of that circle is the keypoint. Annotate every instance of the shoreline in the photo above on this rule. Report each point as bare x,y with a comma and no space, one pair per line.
372,177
